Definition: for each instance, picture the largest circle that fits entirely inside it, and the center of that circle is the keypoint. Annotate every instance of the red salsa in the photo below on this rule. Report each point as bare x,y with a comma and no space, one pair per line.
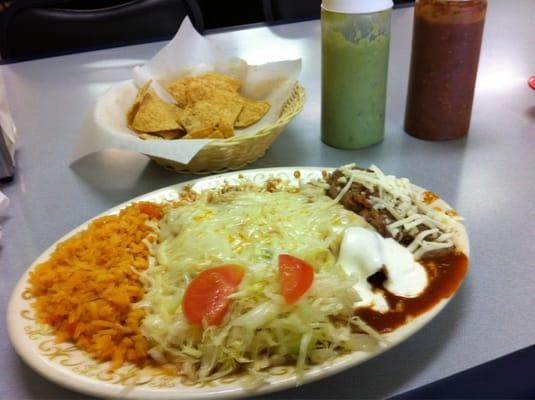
445,274
445,54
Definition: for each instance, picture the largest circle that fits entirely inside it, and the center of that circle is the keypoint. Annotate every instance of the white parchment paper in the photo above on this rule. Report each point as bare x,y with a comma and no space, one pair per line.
6,121
4,202
188,53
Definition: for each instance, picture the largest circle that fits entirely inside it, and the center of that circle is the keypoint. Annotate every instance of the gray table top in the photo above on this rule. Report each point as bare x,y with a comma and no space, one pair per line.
488,177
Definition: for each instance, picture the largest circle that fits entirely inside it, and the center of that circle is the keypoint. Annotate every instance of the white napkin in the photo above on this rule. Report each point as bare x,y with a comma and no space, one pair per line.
6,121
4,202
187,53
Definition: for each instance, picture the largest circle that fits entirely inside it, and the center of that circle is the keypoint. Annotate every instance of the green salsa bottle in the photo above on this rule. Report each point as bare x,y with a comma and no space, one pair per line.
355,48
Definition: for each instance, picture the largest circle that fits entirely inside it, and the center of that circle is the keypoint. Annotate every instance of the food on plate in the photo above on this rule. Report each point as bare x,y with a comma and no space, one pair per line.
405,220
86,289
247,276
395,209
294,304
295,277
207,106
207,297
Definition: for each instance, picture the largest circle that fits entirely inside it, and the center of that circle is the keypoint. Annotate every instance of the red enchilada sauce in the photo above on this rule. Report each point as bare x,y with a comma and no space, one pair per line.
445,54
445,274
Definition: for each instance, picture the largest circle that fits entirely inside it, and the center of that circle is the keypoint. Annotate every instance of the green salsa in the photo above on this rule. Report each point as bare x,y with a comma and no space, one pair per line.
355,52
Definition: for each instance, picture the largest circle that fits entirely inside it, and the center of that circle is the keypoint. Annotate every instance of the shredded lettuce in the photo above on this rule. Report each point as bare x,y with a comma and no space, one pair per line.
252,227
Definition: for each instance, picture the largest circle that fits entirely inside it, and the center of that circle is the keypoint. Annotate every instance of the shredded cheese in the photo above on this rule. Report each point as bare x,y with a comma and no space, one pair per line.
408,207
251,225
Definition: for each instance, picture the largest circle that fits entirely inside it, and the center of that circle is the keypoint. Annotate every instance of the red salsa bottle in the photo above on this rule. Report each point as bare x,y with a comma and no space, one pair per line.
445,54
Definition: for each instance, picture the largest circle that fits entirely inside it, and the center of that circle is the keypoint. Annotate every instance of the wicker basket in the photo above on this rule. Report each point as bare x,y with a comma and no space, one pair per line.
229,154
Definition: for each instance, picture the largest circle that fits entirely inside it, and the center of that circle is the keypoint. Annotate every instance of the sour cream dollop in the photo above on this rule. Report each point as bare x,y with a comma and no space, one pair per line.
364,252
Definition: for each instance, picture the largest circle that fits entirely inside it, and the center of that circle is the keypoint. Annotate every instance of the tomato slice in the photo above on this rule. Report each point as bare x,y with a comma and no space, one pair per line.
295,277
206,296
151,209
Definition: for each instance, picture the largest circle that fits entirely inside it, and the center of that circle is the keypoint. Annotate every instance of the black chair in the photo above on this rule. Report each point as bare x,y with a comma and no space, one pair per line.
33,28
301,10
291,10
220,14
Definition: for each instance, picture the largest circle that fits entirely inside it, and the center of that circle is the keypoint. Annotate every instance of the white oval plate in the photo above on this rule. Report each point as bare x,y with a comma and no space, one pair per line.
66,365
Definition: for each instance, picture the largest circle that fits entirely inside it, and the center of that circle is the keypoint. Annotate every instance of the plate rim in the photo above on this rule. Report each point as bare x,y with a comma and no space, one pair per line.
61,375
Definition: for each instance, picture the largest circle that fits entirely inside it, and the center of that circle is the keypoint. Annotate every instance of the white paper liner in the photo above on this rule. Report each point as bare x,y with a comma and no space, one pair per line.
188,53
6,121
4,202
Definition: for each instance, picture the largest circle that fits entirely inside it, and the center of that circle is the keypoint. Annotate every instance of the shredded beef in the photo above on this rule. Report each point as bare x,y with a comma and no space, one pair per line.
356,200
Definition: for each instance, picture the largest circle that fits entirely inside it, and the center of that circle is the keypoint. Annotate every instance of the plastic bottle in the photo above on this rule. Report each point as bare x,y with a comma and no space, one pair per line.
355,49
445,55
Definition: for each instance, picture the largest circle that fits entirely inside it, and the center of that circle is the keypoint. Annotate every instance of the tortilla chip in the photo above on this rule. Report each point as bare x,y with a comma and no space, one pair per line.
221,81
162,135
208,106
252,112
226,123
131,114
170,135
223,112
155,115
199,134
198,122
149,136
188,90
197,90
216,134
178,90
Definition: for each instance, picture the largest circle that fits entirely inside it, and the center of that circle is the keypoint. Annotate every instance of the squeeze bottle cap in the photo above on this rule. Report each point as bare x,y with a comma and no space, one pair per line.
357,6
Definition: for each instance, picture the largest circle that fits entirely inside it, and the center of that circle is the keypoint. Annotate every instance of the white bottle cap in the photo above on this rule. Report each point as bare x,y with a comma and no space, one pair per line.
357,6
